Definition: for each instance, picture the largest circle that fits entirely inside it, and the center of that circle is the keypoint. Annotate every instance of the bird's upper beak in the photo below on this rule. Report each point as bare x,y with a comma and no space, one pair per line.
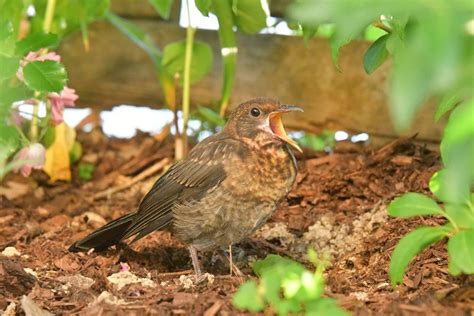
277,127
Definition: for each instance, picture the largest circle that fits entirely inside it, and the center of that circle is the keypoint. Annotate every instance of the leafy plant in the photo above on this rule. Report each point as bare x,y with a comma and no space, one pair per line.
32,74
431,44
285,286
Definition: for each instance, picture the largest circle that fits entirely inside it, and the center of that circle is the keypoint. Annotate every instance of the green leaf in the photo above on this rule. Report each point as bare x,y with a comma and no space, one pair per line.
86,171
337,41
12,11
449,101
411,245
173,59
209,115
163,7
461,214
138,36
249,15
45,76
373,33
9,66
35,41
325,307
458,132
9,142
441,186
270,262
376,55
204,6
6,30
309,32
461,252
247,297
9,94
457,151
413,204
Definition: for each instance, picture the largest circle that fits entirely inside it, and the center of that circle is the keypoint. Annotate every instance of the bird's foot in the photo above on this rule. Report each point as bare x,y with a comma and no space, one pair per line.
195,260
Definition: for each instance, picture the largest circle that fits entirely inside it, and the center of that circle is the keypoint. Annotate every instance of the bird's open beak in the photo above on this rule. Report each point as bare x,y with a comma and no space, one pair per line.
277,127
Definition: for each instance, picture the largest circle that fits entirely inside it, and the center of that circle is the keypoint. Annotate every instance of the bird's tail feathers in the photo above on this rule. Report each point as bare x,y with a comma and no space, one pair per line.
106,236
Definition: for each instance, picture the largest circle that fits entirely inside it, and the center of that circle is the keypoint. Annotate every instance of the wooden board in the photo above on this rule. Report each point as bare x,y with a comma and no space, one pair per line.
116,71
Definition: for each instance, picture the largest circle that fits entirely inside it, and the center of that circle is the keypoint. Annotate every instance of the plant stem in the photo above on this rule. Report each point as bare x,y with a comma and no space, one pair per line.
382,26
34,124
48,17
187,77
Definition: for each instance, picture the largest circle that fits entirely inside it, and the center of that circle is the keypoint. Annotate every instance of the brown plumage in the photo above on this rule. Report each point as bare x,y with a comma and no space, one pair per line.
225,189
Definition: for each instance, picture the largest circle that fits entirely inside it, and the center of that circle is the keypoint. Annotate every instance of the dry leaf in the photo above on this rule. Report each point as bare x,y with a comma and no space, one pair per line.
57,164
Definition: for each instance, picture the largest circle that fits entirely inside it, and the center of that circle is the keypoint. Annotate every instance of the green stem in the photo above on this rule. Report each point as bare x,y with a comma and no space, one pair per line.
48,17
34,124
187,74
223,11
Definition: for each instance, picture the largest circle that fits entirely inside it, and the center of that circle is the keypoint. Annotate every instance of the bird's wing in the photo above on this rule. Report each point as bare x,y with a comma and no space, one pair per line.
186,180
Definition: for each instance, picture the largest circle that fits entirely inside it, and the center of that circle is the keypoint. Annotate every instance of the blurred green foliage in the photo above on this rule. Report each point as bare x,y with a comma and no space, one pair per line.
432,47
286,286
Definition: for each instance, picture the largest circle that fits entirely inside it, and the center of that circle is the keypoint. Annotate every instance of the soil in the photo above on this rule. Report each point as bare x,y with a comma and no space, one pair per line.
338,206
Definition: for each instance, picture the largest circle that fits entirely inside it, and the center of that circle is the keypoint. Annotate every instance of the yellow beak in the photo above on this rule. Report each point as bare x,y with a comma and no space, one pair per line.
276,125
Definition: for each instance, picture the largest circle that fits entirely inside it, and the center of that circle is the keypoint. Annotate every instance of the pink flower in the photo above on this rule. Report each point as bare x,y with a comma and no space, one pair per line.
33,157
36,56
67,97
124,267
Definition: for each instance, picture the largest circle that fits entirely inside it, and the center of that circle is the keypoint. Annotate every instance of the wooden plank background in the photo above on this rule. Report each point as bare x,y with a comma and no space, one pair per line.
115,71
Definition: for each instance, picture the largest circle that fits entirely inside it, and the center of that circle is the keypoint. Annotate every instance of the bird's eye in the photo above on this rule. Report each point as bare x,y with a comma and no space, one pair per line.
255,112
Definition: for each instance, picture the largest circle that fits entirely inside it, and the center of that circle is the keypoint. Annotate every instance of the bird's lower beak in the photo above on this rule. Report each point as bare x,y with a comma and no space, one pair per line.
276,125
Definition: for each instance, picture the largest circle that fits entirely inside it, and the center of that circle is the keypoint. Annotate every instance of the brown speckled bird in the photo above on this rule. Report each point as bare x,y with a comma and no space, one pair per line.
226,188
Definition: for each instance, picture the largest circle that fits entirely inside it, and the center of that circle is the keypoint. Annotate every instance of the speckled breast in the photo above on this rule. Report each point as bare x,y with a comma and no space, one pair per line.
250,193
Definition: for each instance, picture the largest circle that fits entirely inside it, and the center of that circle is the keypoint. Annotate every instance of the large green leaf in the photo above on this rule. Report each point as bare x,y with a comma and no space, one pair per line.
457,151
458,132
138,36
461,252
461,214
163,7
9,66
173,59
376,55
35,41
45,76
413,204
249,15
441,184
409,246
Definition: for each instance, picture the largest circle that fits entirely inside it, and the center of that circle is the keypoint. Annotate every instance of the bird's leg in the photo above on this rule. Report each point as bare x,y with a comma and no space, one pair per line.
195,260
232,267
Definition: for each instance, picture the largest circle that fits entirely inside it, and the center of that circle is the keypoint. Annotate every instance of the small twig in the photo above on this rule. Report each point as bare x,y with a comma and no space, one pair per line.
148,172
382,26
176,273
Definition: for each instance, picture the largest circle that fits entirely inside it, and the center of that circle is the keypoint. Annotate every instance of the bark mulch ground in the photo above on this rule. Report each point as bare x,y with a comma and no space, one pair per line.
338,206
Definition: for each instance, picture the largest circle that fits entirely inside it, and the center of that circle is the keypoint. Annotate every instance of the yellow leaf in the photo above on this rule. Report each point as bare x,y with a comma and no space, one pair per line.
57,164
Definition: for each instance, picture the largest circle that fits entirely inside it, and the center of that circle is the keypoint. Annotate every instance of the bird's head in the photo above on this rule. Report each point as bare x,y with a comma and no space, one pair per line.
261,119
